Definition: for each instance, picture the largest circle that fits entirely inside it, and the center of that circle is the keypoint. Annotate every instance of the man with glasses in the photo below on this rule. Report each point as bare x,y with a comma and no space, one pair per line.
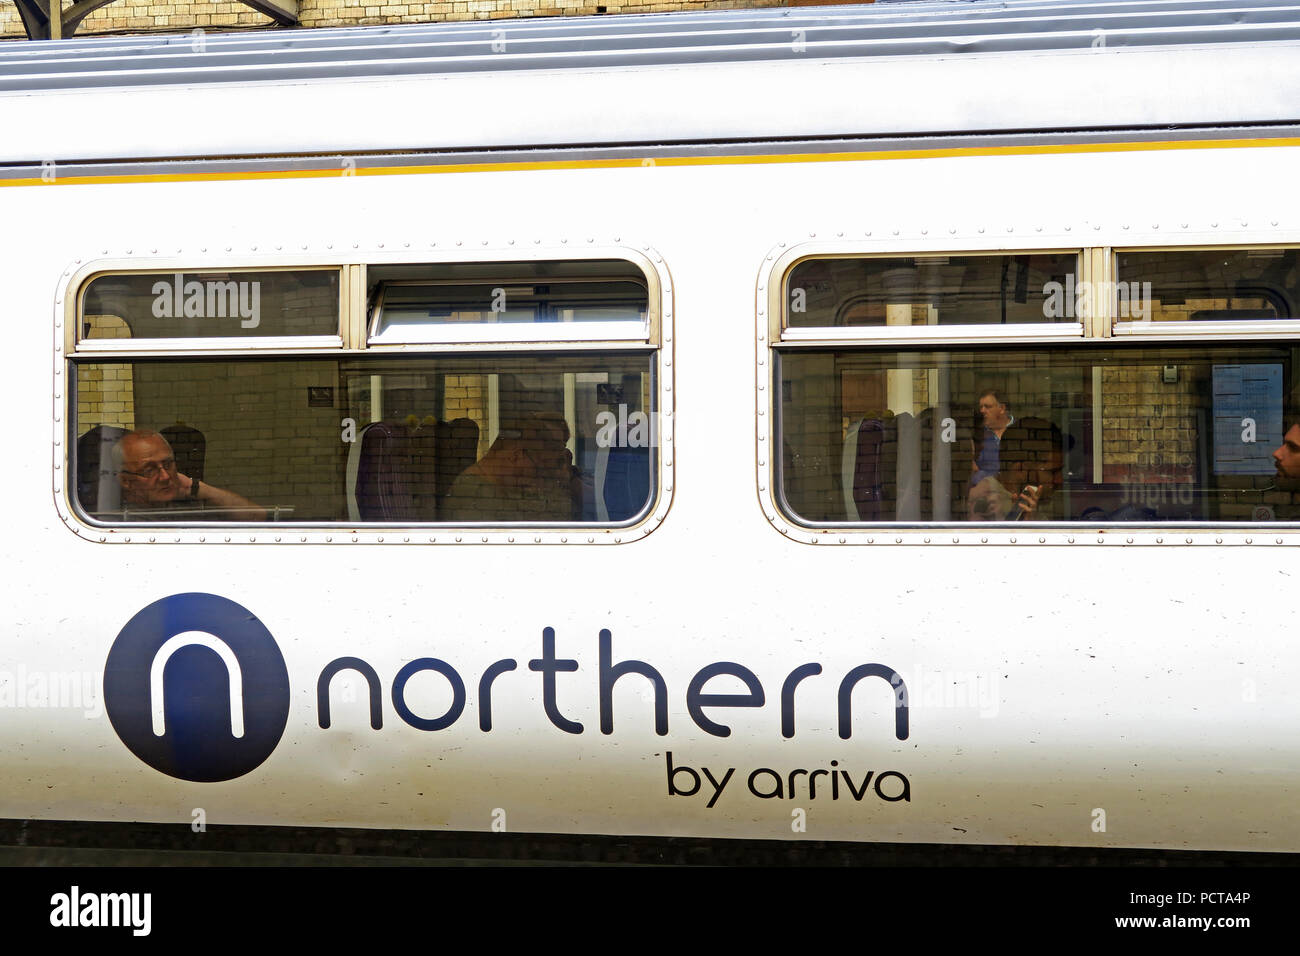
146,470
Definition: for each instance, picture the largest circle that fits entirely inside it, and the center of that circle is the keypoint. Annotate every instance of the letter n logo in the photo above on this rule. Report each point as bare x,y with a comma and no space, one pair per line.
196,687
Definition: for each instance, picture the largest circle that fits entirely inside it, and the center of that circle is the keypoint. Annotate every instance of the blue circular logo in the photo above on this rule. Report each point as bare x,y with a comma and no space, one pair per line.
197,688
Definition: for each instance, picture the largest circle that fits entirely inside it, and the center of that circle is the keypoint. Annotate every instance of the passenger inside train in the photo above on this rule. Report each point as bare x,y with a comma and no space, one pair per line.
153,486
380,434
527,473
884,424
1030,468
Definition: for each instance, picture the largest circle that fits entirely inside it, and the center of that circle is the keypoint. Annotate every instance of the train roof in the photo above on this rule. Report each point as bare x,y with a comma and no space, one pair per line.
934,28
942,67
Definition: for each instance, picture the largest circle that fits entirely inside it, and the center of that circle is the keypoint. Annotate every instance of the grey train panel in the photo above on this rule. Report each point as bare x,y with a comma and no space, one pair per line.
930,29
1232,84
981,69
676,151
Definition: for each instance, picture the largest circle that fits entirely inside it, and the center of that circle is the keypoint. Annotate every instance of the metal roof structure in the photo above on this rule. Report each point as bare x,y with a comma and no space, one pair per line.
41,26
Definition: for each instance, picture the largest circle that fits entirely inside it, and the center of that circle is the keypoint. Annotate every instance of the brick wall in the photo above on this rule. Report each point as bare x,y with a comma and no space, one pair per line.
1149,426
465,396
105,393
263,439
184,15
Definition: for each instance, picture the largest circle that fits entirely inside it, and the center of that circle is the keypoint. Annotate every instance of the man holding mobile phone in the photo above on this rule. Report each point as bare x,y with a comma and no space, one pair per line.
1032,465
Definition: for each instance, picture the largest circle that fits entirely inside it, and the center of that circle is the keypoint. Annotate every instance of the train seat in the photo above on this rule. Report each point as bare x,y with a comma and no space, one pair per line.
189,447
378,474
397,472
862,478
622,482
97,486
457,449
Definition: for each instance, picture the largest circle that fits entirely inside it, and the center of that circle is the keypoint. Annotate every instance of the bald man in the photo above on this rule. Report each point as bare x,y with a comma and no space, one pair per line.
146,470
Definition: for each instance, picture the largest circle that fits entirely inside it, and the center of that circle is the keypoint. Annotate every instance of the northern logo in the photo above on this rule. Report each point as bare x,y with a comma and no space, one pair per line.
196,687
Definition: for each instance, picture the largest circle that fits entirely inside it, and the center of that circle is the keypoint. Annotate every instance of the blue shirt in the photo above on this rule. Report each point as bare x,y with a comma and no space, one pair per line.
987,462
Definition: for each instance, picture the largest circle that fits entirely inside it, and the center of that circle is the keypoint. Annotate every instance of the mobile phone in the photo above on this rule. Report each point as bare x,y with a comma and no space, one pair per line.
1017,512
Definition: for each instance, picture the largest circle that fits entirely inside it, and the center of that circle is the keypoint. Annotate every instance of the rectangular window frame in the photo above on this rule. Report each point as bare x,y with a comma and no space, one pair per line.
353,342
639,332
783,334
1099,268
81,346
1165,331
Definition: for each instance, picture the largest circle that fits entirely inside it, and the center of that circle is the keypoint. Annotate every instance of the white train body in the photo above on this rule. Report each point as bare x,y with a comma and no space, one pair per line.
1113,685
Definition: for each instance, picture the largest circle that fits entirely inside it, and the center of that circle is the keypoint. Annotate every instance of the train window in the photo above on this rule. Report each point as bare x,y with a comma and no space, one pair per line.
906,294
457,438
1180,426
1234,286
1117,434
408,426
121,311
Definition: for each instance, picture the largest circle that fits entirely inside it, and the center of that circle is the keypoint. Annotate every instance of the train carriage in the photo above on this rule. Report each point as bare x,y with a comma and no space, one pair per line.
852,425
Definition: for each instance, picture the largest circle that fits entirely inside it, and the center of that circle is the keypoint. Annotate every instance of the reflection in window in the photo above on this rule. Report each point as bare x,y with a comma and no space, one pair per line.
1211,285
429,303
220,304
933,290
1119,435
507,438
419,303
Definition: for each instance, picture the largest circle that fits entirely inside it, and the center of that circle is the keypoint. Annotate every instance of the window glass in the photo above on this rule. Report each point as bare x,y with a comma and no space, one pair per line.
219,304
417,303
933,290
506,438
1120,434
1213,285
445,302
